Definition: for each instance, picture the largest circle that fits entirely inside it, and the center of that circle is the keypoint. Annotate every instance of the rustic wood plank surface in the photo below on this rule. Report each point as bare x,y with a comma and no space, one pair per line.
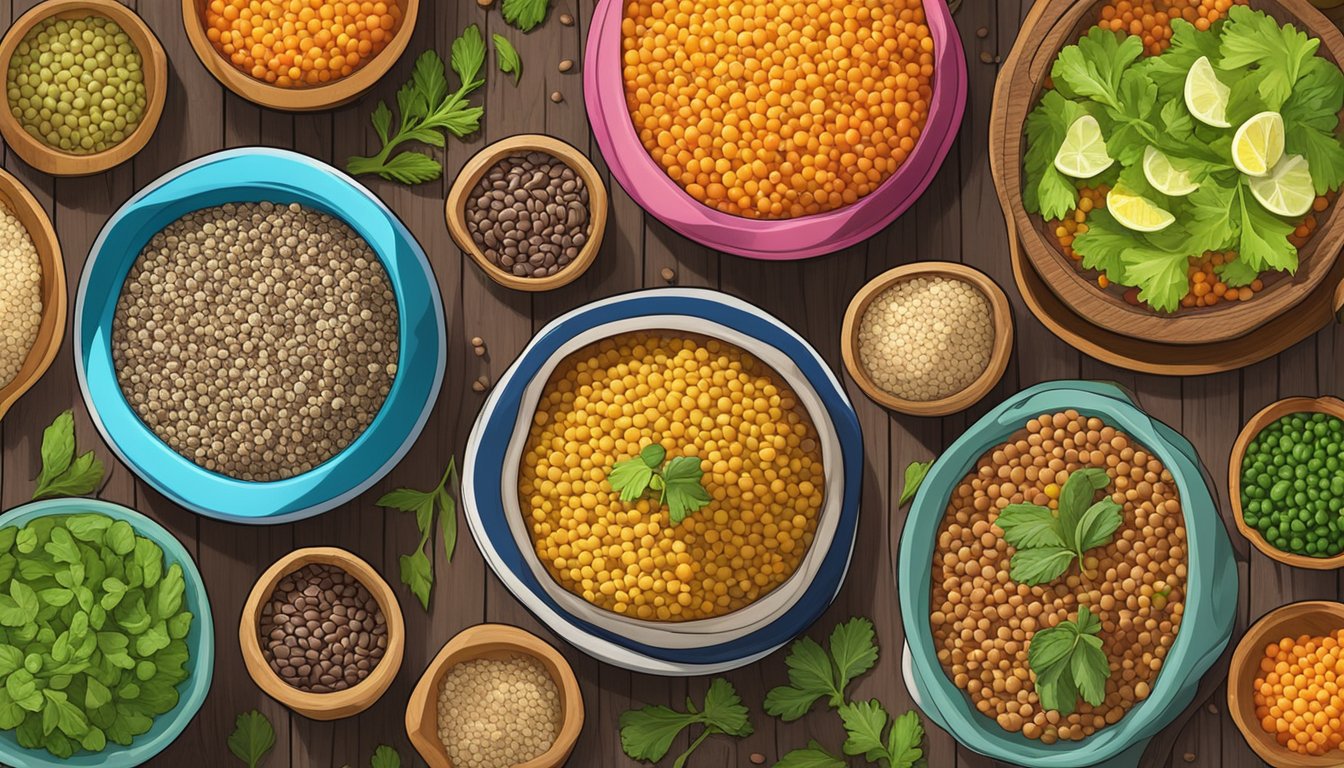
957,219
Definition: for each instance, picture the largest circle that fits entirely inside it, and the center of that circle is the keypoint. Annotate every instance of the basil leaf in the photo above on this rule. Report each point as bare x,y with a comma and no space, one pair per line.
1098,524
1040,565
1026,526
417,573
915,473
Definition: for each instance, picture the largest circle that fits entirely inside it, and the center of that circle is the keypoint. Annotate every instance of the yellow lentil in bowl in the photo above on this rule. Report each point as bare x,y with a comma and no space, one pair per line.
694,396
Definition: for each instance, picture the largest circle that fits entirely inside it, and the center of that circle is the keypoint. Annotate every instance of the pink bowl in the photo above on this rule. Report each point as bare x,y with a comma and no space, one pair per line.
776,240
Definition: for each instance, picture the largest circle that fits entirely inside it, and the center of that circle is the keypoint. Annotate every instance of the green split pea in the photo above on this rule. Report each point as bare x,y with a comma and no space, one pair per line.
77,85
1292,486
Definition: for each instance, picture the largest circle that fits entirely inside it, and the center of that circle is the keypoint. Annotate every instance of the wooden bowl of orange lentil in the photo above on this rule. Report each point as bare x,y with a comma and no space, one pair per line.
299,55
1211,311
1280,685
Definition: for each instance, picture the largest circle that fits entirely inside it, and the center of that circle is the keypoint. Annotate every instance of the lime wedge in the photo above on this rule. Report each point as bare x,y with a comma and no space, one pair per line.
1083,153
1136,212
1164,177
1205,94
1287,190
1258,144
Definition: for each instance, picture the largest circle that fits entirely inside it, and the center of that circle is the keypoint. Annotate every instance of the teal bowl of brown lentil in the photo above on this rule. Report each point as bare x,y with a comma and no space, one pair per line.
258,337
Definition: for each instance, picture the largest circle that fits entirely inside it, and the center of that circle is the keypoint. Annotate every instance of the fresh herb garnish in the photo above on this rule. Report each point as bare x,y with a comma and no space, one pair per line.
814,673
427,111
417,568
866,734
1068,662
647,734
62,473
678,482
525,14
252,738
1046,543
914,477
506,56
385,757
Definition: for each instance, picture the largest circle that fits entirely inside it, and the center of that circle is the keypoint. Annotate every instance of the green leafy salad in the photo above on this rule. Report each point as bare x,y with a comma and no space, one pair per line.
1221,143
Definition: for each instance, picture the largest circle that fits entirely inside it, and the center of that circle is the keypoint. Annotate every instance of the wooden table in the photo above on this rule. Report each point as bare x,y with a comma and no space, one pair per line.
957,219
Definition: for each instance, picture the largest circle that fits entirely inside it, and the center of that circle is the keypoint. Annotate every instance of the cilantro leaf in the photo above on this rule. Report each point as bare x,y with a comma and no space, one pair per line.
653,455
62,473
1045,543
1263,244
1057,195
1210,224
1045,190
1102,245
525,14
903,741
1067,661
252,738
1252,38
683,490
1188,45
647,734
724,710
1093,68
853,645
630,478
1236,273
914,477
467,57
1027,525
506,56
864,722
810,678
385,757
1317,97
1160,276
811,756
1323,151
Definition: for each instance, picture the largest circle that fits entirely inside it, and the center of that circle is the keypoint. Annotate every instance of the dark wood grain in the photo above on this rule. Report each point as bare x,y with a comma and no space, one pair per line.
958,219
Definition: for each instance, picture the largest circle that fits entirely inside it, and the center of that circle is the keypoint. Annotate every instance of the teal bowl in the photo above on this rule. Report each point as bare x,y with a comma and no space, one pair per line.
1211,598
201,641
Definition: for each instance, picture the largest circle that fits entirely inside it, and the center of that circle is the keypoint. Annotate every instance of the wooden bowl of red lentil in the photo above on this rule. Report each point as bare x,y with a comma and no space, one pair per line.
209,24
51,329
1049,27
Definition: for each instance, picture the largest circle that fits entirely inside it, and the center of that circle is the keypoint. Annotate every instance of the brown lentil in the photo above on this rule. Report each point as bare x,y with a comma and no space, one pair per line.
257,340
20,295
668,274
529,214
757,758
983,622
498,713
557,97
566,65
566,20
321,630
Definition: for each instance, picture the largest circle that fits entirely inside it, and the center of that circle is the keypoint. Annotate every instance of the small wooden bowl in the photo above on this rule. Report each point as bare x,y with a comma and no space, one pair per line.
484,160
493,641
302,99
322,706
998,359
51,330
1268,415
155,67
1312,617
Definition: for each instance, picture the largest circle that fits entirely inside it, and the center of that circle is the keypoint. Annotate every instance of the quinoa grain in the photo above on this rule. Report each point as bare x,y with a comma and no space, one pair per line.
498,713
20,295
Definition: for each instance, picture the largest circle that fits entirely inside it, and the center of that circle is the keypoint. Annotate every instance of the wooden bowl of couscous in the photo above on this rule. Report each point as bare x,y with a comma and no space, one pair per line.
42,343
740,522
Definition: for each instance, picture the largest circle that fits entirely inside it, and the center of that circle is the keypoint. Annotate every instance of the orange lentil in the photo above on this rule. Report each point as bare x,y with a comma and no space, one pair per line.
812,104
1150,20
296,43
1296,697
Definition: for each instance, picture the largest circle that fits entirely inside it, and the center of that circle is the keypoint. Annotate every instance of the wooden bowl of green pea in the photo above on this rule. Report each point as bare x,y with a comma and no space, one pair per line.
85,84
1286,482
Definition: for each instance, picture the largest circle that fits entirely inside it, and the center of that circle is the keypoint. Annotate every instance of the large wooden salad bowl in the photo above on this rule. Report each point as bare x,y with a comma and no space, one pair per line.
1051,25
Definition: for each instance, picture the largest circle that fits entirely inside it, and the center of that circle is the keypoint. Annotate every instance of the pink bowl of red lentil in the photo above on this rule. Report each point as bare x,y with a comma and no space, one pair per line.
769,239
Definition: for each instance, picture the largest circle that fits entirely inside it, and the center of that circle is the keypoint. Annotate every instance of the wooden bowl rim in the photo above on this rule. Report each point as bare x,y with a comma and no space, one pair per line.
1194,326
1266,416
1246,653
1001,315
473,643
154,65
484,160
51,329
338,704
306,99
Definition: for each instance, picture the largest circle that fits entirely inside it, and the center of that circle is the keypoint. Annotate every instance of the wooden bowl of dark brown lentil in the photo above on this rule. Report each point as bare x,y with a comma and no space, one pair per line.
322,633
531,210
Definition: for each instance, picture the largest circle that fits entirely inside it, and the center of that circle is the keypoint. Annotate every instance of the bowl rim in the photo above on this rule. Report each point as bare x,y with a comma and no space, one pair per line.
769,239
1113,405
307,99
482,483
154,64
471,644
1331,406
336,704
484,160
409,272
55,303
202,658
1002,346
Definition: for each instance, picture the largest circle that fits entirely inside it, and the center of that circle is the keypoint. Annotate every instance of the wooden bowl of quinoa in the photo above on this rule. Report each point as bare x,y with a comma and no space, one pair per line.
26,212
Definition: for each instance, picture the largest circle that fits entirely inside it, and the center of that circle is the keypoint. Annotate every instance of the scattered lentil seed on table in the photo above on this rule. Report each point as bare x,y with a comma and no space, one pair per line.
498,713
926,338
529,214
321,631
77,85
257,340
20,295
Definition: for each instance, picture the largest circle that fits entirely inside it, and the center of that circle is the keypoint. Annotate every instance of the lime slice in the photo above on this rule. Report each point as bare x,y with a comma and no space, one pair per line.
1287,190
1205,94
1258,144
1164,177
1083,153
1136,212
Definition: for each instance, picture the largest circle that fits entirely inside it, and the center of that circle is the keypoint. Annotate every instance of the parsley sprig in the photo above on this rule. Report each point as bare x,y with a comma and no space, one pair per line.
1068,662
815,673
647,734
678,482
417,568
865,725
525,14
1047,543
427,111
252,738
63,473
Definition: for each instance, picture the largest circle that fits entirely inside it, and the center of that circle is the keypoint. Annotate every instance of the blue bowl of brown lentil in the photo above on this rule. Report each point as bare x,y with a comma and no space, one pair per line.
256,175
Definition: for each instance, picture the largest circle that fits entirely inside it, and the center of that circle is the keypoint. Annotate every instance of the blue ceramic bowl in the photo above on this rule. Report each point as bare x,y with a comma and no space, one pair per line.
201,641
258,174
1211,594
488,512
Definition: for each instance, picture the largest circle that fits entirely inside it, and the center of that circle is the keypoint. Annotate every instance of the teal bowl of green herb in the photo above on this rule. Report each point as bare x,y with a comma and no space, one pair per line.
107,643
